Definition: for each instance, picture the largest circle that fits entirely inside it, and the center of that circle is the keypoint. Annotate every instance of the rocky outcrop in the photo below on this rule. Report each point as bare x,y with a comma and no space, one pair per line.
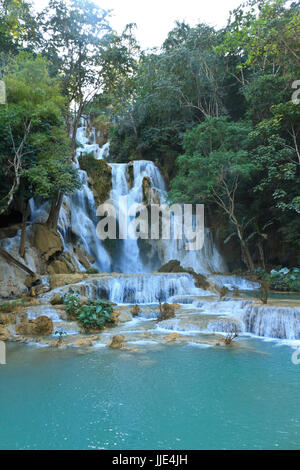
58,280
47,241
146,185
40,326
135,310
174,266
5,334
99,173
56,300
117,342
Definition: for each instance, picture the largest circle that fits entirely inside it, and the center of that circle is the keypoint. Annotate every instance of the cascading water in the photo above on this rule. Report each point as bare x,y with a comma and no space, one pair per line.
77,221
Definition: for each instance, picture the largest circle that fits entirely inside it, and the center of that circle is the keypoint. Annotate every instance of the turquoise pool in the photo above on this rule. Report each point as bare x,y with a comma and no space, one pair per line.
164,397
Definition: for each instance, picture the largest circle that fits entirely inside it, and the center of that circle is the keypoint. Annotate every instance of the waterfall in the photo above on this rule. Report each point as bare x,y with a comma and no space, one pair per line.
134,256
77,220
272,322
133,288
249,317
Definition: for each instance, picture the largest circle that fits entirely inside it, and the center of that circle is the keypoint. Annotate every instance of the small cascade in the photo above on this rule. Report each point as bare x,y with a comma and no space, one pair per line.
133,289
233,282
272,322
249,317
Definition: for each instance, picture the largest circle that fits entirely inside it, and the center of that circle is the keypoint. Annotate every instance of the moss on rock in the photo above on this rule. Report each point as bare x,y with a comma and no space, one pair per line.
99,173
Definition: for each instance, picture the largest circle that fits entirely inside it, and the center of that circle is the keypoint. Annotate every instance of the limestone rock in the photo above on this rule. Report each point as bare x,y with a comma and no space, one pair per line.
174,266
40,326
7,318
56,300
58,280
172,337
99,172
47,241
89,341
117,342
135,311
60,266
4,334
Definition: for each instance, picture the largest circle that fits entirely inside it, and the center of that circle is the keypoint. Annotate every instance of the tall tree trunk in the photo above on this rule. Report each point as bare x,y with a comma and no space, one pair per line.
261,253
245,250
247,256
54,211
25,214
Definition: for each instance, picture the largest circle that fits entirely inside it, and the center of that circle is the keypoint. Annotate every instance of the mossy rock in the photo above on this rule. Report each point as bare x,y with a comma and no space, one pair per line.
174,266
99,173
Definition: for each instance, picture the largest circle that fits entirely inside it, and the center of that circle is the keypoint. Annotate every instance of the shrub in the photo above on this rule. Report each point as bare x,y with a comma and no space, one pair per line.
92,315
95,314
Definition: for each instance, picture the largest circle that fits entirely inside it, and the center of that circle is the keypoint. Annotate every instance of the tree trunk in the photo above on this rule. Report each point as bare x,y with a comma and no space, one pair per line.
245,250
25,214
261,253
247,256
54,211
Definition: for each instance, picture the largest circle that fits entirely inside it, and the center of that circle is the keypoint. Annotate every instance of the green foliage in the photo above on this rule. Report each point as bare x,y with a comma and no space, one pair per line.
92,271
7,307
281,279
92,315
35,147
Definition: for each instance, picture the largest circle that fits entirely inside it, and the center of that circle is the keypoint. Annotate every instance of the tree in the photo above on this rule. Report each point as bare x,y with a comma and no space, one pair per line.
34,151
213,168
73,42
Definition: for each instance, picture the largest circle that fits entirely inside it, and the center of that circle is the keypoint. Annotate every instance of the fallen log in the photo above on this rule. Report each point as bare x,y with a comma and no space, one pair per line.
11,260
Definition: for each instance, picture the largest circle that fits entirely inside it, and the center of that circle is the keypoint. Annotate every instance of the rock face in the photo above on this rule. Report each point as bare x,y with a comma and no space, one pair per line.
58,280
117,342
146,190
40,326
47,241
99,173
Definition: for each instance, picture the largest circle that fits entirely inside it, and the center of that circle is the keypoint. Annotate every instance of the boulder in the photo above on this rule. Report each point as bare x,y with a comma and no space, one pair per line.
4,334
47,241
124,317
174,266
58,280
7,318
172,337
115,316
117,342
135,311
56,300
40,326
60,266
89,341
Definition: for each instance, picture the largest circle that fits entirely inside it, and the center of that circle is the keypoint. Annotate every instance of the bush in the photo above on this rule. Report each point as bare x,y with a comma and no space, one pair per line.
92,315
282,279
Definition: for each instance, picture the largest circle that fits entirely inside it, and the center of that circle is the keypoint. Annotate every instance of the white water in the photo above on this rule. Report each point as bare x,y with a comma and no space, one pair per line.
134,289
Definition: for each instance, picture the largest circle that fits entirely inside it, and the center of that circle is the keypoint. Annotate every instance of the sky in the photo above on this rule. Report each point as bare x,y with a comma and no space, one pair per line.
156,18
